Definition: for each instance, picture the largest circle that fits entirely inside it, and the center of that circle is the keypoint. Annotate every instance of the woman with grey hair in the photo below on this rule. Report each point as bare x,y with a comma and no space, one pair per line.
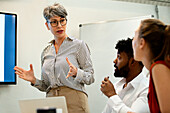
66,64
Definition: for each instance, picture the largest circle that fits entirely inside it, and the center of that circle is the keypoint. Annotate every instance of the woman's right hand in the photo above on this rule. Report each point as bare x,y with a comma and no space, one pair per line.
26,75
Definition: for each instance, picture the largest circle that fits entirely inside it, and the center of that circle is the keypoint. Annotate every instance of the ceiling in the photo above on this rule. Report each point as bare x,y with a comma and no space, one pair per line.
153,2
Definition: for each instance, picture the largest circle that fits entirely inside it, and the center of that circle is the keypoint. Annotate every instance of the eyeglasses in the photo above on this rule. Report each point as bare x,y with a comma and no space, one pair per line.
55,22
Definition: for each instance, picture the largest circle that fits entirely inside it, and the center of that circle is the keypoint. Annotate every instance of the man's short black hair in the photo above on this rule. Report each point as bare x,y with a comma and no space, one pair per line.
126,46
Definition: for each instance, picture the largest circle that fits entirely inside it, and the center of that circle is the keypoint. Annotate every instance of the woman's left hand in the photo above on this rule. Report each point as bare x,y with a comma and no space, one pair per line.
72,70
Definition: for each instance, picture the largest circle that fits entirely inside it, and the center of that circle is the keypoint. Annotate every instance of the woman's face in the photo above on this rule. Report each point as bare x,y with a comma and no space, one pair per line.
136,46
57,26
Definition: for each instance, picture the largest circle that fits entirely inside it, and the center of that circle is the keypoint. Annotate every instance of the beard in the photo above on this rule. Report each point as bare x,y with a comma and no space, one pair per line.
122,72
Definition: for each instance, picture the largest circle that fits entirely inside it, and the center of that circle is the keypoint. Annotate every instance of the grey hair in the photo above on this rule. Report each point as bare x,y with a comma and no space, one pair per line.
54,10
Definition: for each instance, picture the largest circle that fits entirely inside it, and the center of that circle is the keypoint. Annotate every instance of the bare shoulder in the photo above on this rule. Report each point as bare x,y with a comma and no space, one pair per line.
160,68
161,71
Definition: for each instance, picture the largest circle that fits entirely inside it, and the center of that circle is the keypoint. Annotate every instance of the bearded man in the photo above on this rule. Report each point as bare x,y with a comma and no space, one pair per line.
130,93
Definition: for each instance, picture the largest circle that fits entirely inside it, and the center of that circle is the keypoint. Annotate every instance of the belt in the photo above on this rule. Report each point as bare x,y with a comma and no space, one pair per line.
55,90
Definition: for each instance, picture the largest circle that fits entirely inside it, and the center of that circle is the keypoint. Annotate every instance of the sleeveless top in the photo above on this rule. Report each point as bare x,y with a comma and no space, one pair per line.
152,97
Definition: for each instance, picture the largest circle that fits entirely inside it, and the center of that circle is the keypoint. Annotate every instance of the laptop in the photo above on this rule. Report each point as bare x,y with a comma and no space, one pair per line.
31,106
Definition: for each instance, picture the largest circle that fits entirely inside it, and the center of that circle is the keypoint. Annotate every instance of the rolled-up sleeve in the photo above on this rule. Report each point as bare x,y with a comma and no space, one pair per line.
85,72
42,84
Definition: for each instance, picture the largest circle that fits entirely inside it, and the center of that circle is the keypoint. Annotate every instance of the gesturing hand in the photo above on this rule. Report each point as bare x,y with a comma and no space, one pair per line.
26,75
107,87
72,70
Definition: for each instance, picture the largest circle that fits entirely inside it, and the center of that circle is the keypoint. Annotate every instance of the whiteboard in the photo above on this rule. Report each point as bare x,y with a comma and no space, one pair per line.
101,37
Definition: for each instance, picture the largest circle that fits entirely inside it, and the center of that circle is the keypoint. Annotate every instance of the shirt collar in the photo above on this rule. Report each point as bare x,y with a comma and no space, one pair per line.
135,82
67,38
70,38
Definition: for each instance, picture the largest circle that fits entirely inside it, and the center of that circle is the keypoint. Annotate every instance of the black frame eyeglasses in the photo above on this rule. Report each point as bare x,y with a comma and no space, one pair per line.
55,23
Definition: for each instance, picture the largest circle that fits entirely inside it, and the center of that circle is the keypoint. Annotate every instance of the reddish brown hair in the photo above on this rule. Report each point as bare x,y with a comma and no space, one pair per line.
157,35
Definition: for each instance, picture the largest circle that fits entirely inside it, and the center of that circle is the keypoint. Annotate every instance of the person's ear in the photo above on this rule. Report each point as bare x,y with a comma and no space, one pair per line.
142,43
132,61
168,58
47,25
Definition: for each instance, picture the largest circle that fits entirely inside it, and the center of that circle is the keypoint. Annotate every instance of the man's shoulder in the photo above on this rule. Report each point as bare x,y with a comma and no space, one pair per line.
143,83
144,77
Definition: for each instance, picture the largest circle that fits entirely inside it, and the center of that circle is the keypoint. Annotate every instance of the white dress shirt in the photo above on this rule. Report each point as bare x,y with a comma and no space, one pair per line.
132,98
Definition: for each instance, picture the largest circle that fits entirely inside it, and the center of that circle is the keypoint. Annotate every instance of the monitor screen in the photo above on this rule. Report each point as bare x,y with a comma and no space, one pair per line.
8,36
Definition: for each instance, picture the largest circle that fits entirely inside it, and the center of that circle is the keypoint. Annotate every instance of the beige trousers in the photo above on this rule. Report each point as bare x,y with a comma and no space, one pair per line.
77,101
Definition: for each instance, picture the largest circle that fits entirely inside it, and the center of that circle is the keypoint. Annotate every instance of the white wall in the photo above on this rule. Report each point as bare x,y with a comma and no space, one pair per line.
33,35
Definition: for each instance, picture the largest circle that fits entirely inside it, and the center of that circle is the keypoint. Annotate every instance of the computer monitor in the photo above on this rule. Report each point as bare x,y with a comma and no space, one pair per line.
32,105
8,47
